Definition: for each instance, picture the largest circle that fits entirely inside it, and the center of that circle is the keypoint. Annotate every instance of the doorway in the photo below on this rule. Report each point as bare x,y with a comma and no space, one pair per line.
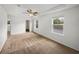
27,26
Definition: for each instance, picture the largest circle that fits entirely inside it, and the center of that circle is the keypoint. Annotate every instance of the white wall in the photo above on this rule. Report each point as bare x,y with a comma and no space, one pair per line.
3,27
71,27
17,25
17,21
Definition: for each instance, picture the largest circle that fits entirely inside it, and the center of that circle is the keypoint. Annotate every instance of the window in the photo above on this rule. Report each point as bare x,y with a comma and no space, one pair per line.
57,23
36,23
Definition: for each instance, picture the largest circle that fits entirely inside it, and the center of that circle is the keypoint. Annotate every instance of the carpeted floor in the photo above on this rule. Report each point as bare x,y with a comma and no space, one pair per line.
31,43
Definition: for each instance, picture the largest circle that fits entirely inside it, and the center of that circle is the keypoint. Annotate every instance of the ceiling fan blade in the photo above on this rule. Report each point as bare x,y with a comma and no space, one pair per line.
35,13
30,11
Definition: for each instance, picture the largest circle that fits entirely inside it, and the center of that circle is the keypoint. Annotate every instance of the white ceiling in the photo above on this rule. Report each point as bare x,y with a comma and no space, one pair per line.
41,8
23,7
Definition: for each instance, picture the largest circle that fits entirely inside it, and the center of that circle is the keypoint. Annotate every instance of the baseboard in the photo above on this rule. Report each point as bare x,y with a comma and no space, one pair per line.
55,41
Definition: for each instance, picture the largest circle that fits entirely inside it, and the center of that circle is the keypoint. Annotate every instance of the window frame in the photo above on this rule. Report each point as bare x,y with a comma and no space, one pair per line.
52,28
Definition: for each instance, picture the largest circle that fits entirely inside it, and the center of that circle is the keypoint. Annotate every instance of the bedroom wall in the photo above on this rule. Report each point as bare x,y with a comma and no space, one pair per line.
71,27
17,21
17,25
3,27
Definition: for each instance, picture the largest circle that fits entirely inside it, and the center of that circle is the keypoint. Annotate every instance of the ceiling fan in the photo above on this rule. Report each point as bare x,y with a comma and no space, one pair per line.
31,13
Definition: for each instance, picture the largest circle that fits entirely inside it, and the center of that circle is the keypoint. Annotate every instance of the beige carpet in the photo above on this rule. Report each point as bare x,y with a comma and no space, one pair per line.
31,43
